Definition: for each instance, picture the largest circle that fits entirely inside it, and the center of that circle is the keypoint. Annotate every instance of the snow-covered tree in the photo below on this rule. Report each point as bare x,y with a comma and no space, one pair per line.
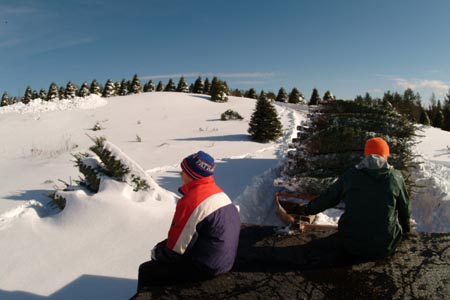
328,97
182,86
135,86
296,97
43,94
53,92
70,90
95,88
84,90
123,89
6,100
170,87
264,124
160,86
198,86
28,96
282,96
110,89
149,86
219,91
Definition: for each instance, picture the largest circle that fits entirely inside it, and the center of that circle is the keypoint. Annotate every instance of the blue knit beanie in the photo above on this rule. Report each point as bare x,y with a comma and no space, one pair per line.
198,165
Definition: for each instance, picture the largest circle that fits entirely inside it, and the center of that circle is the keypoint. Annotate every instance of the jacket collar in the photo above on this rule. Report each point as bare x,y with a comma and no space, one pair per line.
185,189
373,162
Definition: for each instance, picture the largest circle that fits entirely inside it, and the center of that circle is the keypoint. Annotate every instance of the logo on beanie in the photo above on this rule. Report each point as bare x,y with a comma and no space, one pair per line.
198,165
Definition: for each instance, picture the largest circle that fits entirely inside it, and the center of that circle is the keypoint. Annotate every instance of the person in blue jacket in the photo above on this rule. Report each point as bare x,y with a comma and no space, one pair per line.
203,238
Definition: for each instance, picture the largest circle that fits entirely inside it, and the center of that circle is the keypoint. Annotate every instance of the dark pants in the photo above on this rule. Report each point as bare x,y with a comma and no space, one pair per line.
154,273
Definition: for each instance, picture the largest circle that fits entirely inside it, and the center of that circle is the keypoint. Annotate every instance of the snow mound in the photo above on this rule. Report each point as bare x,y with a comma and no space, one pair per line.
38,105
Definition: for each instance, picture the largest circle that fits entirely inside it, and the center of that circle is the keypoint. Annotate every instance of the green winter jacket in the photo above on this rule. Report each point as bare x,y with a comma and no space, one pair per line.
377,207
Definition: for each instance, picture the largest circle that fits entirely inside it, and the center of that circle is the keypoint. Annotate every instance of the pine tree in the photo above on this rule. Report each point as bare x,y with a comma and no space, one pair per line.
110,89
62,93
219,91
53,92
282,96
160,87
438,120
296,97
198,86
135,86
251,93
182,86
170,87
28,96
315,98
264,124
328,97
95,88
84,90
123,89
149,86
206,86
43,94
6,100
70,90
34,95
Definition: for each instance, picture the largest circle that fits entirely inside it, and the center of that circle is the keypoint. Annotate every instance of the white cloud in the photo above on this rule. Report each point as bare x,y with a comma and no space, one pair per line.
437,86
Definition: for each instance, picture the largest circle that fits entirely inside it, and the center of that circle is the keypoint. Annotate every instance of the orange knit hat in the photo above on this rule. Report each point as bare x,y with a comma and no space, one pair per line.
376,146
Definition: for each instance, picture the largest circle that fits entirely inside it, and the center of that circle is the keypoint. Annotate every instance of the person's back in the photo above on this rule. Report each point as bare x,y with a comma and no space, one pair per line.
377,208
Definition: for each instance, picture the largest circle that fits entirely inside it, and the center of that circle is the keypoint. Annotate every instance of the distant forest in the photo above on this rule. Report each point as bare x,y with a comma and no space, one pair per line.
409,104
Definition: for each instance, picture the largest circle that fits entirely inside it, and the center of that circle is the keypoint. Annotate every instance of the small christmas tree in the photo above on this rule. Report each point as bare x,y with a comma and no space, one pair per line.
110,89
135,86
296,97
95,88
198,86
53,93
170,87
282,96
28,96
219,91
264,124
182,86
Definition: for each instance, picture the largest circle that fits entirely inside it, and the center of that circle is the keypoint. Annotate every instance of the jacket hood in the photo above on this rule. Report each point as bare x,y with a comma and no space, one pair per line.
374,166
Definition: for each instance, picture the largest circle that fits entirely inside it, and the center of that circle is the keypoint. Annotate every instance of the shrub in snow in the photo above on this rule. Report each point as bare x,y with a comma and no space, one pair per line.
230,115
219,91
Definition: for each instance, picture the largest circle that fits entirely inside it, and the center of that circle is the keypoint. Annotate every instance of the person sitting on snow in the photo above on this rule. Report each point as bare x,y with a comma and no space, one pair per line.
203,238
377,205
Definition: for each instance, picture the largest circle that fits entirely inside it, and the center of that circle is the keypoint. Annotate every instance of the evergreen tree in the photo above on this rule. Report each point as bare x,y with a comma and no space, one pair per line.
160,87
206,86
295,97
135,86
446,121
149,86
95,88
198,86
328,97
282,95
219,91
70,90
447,98
53,93
43,94
110,89
84,90
315,98
34,95
6,100
123,89
170,87
438,120
264,124
28,96
62,93
251,93
182,86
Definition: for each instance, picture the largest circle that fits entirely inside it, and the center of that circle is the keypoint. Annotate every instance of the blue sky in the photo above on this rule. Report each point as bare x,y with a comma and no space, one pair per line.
349,47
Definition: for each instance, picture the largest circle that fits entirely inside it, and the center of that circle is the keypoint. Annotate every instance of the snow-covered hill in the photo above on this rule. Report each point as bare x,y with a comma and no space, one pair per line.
92,249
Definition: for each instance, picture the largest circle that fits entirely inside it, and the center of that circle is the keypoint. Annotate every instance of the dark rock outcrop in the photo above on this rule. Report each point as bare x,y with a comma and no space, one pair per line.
307,266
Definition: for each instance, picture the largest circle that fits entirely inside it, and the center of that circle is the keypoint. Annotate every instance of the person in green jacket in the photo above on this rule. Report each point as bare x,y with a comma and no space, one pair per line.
377,204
